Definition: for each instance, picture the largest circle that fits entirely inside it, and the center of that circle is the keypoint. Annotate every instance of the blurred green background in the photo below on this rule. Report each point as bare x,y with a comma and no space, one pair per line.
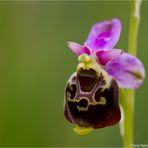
35,64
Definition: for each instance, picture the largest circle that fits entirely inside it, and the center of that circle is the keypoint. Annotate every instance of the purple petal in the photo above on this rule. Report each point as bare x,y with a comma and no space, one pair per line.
104,56
77,48
127,70
104,35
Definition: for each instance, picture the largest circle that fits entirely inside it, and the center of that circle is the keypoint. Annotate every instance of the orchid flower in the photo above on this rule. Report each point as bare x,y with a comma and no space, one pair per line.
92,92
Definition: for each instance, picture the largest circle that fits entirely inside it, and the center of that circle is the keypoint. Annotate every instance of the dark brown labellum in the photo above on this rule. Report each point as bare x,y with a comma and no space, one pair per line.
91,99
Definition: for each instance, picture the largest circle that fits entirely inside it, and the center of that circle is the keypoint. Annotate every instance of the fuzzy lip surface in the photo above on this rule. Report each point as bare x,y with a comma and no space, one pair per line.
87,79
87,112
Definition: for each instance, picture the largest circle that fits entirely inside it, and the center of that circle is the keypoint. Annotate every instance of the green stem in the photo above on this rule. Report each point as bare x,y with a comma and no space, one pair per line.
134,25
127,101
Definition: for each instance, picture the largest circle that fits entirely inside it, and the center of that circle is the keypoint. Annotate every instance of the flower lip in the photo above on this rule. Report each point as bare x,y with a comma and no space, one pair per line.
94,114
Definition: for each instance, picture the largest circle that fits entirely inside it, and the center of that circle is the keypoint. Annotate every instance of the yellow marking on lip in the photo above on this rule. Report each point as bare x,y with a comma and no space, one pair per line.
82,130
101,102
73,100
82,108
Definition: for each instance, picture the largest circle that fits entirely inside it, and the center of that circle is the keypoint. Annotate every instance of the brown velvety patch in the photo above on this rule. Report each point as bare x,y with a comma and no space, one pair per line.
98,116
87,79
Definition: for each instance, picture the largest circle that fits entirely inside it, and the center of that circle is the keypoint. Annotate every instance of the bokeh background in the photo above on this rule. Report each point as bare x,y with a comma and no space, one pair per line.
35,64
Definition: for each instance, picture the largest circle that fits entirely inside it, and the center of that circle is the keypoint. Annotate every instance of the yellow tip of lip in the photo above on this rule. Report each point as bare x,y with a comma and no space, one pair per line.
82,130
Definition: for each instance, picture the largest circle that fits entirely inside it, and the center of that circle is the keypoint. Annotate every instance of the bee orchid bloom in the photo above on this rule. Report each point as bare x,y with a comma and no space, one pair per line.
92,92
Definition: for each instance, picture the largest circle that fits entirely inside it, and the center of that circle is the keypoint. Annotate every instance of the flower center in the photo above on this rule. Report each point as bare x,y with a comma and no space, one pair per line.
84,58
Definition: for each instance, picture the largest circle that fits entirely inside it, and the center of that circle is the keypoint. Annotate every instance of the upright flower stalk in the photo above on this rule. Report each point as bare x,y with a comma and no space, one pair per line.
128,96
